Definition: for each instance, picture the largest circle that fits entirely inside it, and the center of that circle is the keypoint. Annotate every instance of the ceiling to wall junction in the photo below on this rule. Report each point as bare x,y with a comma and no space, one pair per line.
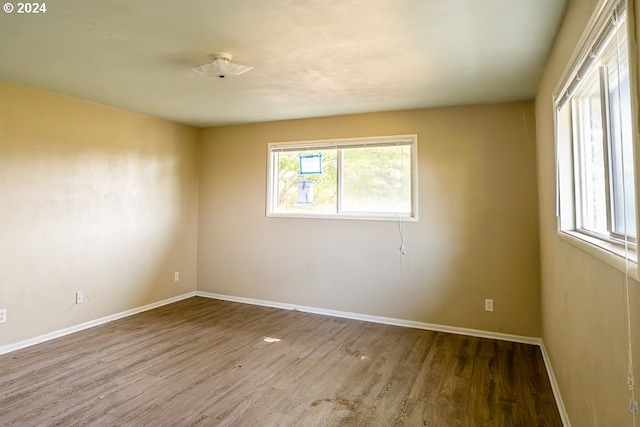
312,57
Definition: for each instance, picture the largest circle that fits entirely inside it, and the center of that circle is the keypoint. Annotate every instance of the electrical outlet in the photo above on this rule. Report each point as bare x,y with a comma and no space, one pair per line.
176,276
79,297
488,305
3,315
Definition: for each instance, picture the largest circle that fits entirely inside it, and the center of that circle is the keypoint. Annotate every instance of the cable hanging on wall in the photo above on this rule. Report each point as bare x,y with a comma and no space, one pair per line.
402,249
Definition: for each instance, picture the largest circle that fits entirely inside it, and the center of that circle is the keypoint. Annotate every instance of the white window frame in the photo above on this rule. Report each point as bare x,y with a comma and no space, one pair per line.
324,144
612,249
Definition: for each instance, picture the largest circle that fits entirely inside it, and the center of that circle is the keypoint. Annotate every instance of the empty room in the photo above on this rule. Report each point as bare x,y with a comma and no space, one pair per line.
319,212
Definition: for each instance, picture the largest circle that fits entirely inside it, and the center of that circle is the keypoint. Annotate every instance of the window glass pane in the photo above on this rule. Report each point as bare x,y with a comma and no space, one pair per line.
595,140
623,194
360,178
323,197
591,161
377,179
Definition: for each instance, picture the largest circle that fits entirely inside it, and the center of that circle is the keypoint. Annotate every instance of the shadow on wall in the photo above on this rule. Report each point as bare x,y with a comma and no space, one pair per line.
476,238
108,209
484,217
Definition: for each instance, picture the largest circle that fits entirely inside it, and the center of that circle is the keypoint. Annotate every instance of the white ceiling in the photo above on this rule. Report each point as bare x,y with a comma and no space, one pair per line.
312,57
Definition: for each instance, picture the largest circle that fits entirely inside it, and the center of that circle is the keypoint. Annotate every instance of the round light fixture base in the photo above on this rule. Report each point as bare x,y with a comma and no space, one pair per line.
221,66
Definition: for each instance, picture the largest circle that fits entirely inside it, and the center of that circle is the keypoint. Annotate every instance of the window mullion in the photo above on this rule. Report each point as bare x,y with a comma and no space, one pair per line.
574,153
339,178
274,184
595,137
578,168
606,141
370,178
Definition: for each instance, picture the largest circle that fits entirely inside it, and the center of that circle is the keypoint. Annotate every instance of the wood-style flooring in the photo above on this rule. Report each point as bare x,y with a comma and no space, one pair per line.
207,362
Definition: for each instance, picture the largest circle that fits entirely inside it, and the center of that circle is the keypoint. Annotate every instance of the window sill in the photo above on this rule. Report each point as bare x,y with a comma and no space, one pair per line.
362,217
606,252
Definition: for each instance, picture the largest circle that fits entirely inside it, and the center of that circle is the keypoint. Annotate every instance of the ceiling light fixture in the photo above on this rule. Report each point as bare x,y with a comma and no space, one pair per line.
221,66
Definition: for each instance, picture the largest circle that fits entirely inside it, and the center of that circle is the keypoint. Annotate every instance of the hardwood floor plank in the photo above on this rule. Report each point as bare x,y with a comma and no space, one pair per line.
202,362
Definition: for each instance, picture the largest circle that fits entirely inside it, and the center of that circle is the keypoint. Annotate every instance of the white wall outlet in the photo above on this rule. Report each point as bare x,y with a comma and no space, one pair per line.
176,276
488,305
3,315
79,297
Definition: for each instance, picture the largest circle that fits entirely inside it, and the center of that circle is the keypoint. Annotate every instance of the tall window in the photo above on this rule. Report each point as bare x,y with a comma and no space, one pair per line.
363,178
594,109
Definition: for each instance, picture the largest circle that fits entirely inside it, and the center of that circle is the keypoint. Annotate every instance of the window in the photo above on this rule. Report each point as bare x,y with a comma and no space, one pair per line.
363,178
597,195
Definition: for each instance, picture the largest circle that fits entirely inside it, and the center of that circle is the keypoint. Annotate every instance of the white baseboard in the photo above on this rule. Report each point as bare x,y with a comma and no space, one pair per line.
335,313
412,324
554,386
376,319
62,332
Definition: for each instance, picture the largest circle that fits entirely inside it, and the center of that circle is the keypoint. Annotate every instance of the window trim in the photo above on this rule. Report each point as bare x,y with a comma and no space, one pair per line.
341,143
617,253
609,253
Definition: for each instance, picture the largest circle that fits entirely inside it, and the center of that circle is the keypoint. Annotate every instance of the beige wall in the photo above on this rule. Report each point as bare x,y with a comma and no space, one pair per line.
477,236
105,201
583,319
92,199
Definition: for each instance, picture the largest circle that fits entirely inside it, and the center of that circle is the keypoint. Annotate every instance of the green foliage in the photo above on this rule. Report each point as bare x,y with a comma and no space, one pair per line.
325,187
375,179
